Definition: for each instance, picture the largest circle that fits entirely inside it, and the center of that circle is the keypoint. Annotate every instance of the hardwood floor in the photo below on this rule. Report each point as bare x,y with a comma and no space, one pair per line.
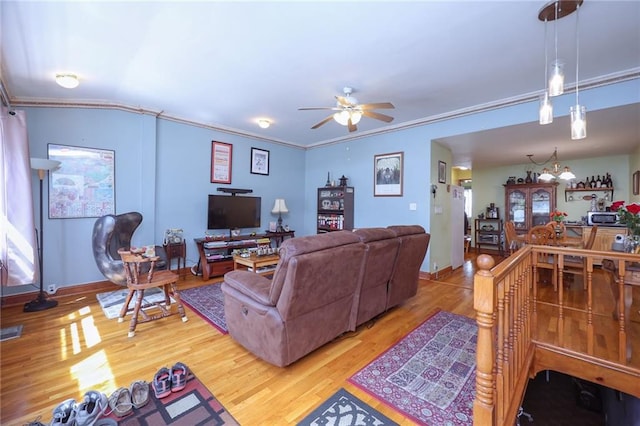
68,350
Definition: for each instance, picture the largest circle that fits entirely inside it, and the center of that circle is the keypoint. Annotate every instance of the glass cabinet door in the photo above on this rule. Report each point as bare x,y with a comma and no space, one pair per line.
540,207
517,208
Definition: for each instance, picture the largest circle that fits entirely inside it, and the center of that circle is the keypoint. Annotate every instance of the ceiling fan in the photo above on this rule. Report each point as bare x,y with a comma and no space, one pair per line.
349,112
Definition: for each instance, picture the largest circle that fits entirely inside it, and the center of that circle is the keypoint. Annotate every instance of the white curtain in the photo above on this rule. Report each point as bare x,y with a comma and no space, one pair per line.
18,251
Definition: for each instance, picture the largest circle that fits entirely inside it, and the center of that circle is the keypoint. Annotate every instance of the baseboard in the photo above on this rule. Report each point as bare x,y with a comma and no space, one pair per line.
433,276
73,290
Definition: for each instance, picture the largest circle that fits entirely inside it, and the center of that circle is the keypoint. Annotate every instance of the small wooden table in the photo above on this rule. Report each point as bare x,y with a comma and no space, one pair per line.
262,265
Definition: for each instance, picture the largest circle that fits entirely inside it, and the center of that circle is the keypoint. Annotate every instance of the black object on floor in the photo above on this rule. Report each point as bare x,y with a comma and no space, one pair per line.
562,400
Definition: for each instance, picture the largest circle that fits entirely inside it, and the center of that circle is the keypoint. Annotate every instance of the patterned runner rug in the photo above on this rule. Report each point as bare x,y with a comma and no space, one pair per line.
429,375
111,302
208,302
193,405
344,409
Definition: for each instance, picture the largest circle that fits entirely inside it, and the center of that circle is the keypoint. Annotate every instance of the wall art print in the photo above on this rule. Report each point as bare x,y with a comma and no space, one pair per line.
84,185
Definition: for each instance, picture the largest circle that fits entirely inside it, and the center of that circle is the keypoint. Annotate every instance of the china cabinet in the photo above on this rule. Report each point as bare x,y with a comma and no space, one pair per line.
528,205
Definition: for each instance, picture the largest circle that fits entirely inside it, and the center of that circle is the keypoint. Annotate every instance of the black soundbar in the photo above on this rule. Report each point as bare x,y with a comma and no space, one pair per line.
234,191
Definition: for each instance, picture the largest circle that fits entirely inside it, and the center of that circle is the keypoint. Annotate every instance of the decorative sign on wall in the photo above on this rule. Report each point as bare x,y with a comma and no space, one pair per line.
84,185
221,160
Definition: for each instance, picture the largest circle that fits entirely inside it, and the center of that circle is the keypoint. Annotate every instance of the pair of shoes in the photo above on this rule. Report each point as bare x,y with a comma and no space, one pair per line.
139,391
120,402
64,414
166,381
93,405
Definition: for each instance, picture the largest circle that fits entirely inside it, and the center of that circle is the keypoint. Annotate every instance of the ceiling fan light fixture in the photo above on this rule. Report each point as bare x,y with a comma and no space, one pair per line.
355,117
342,117
264,123
68,81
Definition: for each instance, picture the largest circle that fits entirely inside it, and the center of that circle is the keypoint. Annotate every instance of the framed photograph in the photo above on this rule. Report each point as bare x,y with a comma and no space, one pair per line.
259,161
84,184
387,179
221,158
442,172
636,183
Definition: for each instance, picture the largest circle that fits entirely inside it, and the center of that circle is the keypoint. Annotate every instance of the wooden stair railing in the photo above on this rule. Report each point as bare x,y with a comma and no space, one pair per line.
509,306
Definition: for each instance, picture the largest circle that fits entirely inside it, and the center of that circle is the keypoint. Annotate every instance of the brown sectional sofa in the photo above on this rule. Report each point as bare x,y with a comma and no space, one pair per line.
323,286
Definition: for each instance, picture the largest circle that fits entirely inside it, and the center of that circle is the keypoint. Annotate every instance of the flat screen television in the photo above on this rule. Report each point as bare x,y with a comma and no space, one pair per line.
233,211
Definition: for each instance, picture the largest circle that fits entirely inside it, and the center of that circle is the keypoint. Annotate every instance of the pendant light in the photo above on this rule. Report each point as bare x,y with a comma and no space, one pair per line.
556,81
545,112
578,112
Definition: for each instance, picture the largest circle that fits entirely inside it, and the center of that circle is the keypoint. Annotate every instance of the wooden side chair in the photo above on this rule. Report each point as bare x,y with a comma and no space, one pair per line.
543,235
138,281
577,265
513,240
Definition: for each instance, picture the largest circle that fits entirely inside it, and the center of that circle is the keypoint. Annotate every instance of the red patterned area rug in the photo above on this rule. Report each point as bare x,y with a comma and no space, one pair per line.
193,405
430,374
208,302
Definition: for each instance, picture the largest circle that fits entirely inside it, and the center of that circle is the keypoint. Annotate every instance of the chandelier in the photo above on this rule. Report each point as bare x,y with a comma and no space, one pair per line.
556,171
554,84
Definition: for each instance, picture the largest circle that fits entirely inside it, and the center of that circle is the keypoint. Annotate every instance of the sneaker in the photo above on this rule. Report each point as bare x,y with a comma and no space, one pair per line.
64,414
120,402
91,408
139,393
162,383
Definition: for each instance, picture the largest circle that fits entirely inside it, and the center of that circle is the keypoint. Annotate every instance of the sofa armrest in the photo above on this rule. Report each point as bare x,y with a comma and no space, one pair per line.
250,284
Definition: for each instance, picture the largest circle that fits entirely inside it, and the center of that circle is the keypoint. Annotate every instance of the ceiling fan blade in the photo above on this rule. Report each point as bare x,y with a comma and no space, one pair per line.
326,120
380,105
343,101
377,116
352,127
315,108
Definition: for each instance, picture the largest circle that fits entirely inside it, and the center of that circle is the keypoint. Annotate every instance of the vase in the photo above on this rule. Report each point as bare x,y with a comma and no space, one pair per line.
528,179
632,244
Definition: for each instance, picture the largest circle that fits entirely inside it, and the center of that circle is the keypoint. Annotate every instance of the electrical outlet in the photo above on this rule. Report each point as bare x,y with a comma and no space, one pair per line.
51,289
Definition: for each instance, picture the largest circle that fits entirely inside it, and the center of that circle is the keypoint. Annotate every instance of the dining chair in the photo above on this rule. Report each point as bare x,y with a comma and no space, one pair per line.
577,265
543,235
513,239
138,280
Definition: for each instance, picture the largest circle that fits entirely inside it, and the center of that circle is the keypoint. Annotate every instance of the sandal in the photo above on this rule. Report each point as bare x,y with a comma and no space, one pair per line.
179,373
139,393
120,402
162,383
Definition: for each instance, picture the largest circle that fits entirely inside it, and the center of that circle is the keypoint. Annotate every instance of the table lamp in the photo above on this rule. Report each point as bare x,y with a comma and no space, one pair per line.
279,207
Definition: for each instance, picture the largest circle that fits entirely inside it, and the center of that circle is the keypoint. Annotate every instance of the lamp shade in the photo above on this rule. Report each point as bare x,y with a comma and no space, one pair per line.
44,164
280,206
578,122
546,109
342,117
556,79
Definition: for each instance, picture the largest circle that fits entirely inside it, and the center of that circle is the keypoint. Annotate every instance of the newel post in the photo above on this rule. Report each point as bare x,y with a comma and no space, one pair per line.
484,300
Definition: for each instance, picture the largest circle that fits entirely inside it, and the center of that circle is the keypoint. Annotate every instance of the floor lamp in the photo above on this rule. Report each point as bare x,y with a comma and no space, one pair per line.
41,302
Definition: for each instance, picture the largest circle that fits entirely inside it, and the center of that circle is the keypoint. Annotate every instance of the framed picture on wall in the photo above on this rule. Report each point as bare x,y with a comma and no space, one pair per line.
259,161
442,172
84,184
636,183
387,176
221,160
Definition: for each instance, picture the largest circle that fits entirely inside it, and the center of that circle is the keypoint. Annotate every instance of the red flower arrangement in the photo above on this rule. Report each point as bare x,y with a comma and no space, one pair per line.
558,216
629,215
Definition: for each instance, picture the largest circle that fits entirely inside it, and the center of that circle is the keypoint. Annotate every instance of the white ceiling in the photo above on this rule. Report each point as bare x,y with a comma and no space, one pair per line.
227,63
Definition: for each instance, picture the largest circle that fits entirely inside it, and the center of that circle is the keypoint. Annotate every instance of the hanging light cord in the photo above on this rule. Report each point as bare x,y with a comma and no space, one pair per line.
546,63
577,50
554,157
555,29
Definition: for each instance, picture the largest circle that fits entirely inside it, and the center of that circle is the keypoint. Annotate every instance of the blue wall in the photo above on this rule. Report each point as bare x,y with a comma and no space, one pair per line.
162,171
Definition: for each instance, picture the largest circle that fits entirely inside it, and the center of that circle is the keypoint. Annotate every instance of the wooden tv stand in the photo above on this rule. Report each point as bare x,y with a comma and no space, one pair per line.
216,260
